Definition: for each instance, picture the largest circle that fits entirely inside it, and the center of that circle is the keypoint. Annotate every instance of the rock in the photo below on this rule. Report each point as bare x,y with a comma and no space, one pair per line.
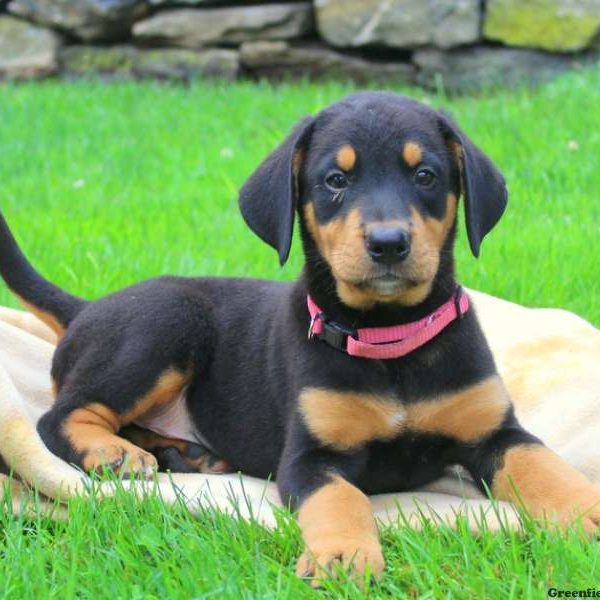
559,25
280,60
174,63
179,3
26,51
194,28
398,23
81,61
123,62
472,69
88,20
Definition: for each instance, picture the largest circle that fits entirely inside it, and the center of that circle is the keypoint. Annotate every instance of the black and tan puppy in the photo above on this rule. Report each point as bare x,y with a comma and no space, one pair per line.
375,180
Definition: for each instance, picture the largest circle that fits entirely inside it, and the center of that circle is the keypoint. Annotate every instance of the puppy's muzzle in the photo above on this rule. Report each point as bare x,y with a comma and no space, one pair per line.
388,245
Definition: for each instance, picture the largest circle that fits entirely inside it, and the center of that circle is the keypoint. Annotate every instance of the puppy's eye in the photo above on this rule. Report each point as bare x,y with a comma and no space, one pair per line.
336,181
425,178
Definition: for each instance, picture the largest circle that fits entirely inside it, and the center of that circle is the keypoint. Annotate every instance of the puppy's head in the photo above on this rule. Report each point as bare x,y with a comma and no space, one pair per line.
376,179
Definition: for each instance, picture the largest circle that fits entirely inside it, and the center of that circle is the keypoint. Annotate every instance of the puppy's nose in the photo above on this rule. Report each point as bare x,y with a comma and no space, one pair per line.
388,245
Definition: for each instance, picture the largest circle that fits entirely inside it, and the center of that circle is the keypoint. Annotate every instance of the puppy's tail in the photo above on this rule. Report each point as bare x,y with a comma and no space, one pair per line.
48,302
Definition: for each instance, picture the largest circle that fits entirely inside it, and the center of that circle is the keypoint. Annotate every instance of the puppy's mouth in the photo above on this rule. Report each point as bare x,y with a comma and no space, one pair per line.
388,284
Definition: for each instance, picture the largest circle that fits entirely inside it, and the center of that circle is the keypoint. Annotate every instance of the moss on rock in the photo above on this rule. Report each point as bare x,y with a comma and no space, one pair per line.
558,25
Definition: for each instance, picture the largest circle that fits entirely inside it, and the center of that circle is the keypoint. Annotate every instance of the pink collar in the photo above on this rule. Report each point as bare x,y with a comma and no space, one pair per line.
386,342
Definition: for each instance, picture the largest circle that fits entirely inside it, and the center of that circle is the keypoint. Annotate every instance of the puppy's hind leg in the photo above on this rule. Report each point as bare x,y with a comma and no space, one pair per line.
123,357
82,426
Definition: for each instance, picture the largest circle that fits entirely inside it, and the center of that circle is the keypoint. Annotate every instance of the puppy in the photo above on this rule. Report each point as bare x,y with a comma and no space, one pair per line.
368,374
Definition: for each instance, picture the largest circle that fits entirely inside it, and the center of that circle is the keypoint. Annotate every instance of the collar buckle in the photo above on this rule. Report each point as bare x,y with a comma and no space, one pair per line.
336,335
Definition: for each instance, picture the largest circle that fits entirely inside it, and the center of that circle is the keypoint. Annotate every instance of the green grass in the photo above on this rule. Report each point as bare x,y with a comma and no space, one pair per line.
120,549
106,185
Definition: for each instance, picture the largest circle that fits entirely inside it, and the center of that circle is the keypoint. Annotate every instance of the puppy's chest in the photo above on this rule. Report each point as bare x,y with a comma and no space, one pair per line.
346,420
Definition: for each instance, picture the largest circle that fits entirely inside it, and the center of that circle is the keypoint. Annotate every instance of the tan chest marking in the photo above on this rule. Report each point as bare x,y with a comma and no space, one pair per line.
467,415
345,420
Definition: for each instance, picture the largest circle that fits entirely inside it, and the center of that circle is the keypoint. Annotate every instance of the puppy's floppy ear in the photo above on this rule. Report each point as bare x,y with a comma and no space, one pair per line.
483,186
268,199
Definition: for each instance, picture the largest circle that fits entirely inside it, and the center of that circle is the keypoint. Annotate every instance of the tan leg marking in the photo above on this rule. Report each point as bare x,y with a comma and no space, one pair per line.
467,416
412,153
548,487
344,420
346,158
92,430
338,528
45,317
167,387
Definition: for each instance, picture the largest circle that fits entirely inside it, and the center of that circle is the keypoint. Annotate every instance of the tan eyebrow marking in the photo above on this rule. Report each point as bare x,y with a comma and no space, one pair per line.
346,157
412,153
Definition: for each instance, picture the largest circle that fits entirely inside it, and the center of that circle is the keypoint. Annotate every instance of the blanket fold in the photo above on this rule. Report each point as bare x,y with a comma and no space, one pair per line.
550,360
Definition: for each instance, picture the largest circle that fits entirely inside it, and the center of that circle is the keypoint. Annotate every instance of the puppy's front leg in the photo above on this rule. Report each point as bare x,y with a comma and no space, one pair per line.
338,527
337,523
517,467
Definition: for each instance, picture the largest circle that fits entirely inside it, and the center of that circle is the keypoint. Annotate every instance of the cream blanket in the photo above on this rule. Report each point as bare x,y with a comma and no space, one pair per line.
550,360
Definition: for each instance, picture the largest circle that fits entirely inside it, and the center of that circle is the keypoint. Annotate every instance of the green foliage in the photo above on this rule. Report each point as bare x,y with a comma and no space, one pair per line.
107,185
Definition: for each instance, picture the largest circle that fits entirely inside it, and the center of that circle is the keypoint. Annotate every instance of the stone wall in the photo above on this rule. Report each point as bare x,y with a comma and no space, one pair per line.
460,44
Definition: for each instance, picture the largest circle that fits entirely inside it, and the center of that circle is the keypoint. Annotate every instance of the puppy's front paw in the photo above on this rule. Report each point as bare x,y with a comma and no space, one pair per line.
580,503
126,459
357,557
548,488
